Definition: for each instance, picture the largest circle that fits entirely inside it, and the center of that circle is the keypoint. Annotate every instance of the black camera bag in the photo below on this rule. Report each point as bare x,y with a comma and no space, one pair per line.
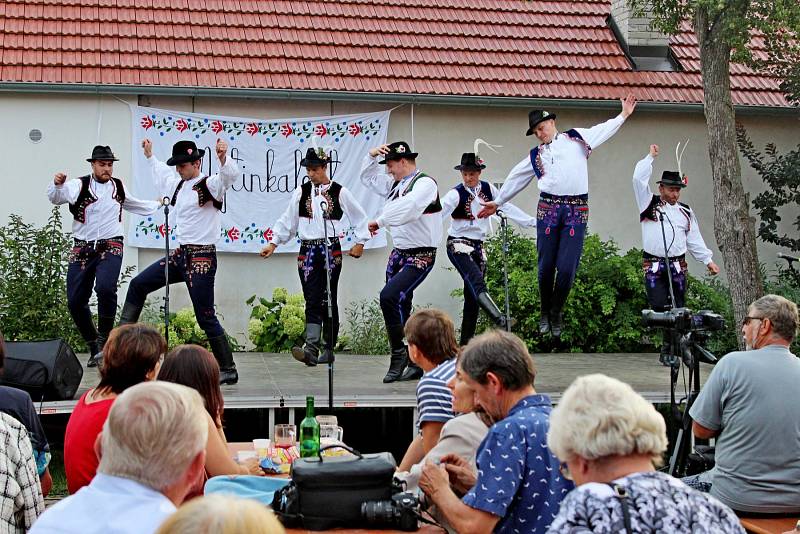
327,493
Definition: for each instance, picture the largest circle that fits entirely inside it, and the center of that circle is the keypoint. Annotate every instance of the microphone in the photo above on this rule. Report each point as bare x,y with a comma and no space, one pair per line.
323,205
788,258
659,210
165,201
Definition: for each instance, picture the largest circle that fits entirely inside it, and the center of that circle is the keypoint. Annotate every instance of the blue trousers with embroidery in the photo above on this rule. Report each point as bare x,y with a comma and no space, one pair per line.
94,263
656,284
196,265
472,268
311,268
560,231
405,270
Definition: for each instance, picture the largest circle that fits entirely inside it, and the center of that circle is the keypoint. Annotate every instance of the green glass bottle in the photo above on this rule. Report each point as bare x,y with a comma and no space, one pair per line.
309,431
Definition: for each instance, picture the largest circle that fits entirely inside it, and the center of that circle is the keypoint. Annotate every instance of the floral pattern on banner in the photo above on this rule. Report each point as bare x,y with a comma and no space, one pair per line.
302,130
149,227
252,233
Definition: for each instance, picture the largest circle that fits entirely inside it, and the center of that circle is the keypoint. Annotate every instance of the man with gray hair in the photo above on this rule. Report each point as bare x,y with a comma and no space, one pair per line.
152,452
749,404
518,487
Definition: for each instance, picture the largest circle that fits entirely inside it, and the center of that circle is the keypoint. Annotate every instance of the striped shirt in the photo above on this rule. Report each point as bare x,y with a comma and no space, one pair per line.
434,399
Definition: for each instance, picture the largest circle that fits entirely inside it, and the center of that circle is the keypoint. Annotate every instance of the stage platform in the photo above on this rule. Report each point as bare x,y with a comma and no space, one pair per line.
275,381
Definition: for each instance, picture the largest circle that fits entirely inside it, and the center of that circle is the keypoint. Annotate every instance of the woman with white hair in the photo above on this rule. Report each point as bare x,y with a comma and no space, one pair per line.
610,440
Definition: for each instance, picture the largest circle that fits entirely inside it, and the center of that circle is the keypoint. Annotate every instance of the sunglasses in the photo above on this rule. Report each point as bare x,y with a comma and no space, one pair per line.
746,320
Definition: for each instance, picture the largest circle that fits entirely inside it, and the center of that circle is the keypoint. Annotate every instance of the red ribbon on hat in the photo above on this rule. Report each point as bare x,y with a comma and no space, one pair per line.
685,180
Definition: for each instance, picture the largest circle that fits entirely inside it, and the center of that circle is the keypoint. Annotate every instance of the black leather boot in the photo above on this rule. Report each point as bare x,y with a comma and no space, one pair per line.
499,318
399,353
104,326
130,313
556,323
329,342
310,350
544,324
222,352
412,372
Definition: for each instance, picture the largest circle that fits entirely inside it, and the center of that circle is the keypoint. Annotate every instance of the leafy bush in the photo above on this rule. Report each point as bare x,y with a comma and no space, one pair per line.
183,329
279,324
33,281
603,312
366,332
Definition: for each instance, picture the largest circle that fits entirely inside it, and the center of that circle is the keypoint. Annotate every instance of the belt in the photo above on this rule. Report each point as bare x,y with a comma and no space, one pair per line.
199,247
416,250
83,242
311,242
565,199
651,257
476,242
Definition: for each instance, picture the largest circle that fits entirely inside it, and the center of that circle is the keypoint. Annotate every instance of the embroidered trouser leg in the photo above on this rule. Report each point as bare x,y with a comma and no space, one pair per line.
468,259
196,265
405,270
560,230
656,283
311,268
93,264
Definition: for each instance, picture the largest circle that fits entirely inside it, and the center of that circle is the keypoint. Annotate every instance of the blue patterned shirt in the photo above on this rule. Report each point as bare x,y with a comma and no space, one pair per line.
518,476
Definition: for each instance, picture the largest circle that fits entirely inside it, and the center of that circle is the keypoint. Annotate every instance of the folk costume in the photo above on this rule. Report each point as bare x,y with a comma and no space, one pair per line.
681,233
314,212
196,205
465,239
413,215
96,255
561,170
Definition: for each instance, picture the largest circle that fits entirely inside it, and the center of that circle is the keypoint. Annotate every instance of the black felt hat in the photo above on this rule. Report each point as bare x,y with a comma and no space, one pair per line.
102,153
470,162
673,179
398,150
316,158
185,152
535,117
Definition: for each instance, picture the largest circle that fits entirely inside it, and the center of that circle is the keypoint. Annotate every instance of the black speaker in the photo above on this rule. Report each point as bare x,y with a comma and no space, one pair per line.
48,370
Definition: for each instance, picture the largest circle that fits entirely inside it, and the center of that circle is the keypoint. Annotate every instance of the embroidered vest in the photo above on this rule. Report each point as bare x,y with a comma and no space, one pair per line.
463,210
85,197
331,195
433,207
203,194
536,159
650,213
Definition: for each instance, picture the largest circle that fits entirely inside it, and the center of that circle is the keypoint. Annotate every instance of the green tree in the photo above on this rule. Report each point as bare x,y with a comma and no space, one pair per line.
723,29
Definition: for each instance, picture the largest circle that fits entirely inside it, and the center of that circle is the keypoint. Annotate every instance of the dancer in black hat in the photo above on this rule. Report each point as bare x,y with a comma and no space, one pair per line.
196,201
681,233
560,166
466,236
319,208
96,202
413,214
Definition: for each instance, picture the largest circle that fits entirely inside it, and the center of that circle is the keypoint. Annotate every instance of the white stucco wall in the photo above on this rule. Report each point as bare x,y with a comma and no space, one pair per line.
73,124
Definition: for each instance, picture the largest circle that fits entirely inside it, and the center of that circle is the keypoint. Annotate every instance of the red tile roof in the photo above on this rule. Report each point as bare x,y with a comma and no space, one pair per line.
494,48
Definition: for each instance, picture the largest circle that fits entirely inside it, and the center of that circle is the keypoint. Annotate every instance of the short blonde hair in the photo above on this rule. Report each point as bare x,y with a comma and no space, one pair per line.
153,432
222,514
600,416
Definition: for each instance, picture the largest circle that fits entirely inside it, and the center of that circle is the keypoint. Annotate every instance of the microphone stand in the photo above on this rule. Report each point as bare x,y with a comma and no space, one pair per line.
165,202
504,231
324,207
666,256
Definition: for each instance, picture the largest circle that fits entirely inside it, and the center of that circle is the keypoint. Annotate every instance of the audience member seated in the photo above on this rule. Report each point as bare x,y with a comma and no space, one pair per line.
132,355
749,404
610,440
432,345
222,514
457,447
151,450
195,367
18,404
21,499
518,486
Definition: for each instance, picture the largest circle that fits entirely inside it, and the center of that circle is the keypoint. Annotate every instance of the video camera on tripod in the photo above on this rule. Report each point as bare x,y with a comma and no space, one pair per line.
683,333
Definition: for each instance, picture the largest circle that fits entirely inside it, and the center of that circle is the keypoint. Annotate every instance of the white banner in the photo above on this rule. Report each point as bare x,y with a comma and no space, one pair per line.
268,153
